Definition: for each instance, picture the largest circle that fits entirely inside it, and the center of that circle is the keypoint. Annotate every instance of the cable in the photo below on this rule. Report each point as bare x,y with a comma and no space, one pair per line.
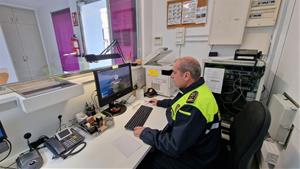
59,118
234,89
12,164
9,167
71,152
96,103
10,148
94,100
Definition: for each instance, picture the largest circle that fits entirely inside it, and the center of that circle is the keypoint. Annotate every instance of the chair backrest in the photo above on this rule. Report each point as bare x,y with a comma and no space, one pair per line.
248,132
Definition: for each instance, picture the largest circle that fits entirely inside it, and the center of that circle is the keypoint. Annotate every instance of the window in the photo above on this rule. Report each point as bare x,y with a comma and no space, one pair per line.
101,25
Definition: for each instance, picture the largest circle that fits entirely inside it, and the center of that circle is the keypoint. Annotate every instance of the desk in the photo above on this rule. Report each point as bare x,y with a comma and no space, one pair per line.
100,151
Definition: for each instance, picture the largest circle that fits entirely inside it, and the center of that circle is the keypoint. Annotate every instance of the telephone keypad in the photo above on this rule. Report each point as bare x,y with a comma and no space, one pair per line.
72,140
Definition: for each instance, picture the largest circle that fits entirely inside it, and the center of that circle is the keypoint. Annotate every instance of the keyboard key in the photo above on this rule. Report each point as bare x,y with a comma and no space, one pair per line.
139,118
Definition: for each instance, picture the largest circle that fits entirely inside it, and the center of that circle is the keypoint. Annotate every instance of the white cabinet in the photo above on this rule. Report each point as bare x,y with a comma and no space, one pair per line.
228,22
24,42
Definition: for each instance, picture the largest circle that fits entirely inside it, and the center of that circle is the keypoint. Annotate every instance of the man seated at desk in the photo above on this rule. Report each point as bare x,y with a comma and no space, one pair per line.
192,136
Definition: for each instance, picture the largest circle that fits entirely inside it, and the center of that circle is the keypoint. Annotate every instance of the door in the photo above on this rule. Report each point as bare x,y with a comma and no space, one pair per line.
24,43
5,14
63,32
33,50
16,50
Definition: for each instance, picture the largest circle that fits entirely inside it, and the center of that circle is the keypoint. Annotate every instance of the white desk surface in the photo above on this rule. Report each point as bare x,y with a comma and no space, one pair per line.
100,151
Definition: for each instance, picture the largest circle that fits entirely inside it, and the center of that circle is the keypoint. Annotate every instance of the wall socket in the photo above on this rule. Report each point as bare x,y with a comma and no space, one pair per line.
158,41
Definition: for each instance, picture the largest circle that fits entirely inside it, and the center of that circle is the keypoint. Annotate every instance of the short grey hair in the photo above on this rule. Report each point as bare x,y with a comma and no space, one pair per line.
189,64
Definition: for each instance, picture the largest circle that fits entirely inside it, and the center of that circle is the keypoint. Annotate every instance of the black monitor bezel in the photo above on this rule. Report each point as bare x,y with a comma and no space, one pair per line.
110,99
3,132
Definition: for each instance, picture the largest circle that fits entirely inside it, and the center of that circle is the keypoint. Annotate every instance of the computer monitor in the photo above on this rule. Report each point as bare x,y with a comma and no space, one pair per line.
111,84
2,133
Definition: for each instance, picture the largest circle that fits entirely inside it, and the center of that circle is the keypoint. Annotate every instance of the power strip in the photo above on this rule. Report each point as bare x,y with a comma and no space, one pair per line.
270,152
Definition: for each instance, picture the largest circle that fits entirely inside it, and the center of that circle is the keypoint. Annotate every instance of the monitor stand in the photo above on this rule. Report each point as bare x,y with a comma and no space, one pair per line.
115,109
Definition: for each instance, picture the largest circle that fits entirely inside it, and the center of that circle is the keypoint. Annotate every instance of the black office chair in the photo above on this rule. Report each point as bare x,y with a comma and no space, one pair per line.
248,131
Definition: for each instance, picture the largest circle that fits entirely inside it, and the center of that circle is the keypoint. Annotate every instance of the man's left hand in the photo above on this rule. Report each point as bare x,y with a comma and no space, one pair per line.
138,130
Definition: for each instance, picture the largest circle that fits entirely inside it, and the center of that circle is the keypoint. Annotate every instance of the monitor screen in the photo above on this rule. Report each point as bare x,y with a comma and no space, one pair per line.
2,132
113,83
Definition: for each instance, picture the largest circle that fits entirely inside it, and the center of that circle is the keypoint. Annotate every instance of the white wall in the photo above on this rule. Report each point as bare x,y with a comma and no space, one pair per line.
5,59
253,37
48,35
198,49
287,79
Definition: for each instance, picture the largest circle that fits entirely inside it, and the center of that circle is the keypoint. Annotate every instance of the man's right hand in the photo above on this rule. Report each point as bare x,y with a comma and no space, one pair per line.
153,102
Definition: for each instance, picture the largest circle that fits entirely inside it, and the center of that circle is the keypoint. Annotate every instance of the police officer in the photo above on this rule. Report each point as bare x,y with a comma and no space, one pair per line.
192,136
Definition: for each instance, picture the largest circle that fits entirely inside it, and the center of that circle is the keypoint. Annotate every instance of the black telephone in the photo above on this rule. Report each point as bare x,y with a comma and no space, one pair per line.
150,93
64,143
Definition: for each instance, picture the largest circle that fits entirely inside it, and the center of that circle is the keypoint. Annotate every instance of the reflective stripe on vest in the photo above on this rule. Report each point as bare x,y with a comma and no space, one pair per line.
214,126
205,102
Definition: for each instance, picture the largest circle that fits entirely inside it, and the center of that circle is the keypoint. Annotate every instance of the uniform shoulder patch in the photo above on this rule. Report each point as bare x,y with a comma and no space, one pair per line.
192,97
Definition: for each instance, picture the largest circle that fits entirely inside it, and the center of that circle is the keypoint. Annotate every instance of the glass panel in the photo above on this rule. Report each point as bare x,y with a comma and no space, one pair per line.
95,23
99,27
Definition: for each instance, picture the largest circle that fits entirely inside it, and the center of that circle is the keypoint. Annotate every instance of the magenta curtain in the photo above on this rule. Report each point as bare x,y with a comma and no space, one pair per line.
123,19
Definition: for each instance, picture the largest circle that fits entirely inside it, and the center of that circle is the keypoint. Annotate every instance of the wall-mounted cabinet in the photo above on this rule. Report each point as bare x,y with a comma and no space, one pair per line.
228,22
24,42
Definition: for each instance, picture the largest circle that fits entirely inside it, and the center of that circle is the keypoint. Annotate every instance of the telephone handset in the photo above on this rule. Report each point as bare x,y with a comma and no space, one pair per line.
64,143
150,93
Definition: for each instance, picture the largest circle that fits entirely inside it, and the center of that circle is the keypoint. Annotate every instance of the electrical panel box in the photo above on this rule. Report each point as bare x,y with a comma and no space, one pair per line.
263,13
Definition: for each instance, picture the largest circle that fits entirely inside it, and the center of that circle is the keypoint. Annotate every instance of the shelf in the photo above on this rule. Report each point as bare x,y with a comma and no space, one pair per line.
40,94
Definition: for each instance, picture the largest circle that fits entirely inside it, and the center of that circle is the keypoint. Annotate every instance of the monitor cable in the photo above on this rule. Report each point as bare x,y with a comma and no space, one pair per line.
10,148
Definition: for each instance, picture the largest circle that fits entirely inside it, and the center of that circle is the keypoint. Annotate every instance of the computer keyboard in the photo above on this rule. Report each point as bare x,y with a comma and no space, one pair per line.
139,118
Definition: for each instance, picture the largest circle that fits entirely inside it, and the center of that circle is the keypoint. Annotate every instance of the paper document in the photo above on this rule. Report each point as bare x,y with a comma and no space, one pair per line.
214,79
127,145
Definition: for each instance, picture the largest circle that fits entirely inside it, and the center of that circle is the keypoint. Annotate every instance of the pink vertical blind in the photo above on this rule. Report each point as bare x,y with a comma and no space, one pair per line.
123,20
